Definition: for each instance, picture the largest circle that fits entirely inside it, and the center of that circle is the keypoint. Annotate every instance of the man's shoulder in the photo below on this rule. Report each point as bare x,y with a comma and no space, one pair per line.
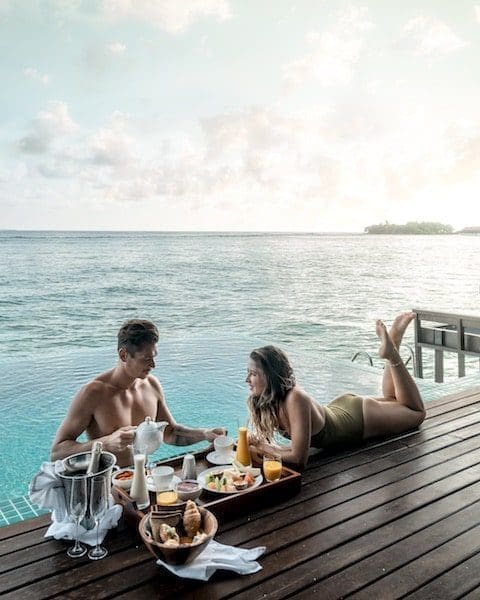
97,387
154,383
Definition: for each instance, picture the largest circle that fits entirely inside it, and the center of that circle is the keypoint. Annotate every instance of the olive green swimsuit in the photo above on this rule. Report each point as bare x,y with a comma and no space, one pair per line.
343,423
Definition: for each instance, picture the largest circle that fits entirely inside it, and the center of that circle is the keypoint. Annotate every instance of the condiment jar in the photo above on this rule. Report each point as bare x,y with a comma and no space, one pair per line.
189,470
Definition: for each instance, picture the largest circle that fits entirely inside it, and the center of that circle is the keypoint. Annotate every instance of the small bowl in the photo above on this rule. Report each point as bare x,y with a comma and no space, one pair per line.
188,489
117,479
184,553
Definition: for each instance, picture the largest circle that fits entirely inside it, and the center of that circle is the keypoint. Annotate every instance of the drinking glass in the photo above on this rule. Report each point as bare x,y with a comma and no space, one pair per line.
98,507
272,466
77,506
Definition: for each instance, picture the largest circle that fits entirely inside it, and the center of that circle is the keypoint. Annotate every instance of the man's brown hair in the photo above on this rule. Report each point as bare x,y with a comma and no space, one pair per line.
135,333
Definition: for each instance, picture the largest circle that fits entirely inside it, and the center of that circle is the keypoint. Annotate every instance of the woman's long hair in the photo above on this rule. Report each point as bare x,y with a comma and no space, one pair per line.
280,379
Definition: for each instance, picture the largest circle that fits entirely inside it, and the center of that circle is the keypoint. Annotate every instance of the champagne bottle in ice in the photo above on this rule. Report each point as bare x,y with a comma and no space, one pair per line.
93,466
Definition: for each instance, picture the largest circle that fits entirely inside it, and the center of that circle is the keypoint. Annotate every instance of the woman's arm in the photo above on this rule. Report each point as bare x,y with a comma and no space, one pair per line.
297,409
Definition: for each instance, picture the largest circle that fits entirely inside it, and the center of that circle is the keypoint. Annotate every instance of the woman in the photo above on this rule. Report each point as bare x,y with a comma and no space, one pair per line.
277,404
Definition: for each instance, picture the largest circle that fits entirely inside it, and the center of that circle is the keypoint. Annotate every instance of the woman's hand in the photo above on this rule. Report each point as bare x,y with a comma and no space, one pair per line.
254,439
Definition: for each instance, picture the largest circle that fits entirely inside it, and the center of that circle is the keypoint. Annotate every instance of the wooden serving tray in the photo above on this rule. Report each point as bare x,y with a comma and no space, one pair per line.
226,506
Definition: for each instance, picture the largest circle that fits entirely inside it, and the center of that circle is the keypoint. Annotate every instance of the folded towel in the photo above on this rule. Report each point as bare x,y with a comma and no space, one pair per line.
46,489
218,556
66,529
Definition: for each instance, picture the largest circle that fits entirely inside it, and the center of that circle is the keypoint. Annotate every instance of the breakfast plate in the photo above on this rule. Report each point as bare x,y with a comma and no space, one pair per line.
204,477
219,459
151,484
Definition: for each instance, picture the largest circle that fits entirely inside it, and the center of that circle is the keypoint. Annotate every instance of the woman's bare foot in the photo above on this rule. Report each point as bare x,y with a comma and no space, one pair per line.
387,348
399,327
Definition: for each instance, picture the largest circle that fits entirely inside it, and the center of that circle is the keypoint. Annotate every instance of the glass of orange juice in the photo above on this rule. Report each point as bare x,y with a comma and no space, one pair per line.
272,466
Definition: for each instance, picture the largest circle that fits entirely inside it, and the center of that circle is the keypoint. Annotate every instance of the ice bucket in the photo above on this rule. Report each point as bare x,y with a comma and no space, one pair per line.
76,466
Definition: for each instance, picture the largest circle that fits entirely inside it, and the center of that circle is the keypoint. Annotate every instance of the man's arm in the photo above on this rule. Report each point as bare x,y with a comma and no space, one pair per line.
79,416
181,435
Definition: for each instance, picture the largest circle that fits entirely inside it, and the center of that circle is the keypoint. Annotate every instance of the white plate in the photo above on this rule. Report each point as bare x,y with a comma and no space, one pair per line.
219,459
202,476
151,484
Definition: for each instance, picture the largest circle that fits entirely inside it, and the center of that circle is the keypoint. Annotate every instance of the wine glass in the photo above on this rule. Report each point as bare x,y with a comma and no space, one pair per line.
98,508
77,508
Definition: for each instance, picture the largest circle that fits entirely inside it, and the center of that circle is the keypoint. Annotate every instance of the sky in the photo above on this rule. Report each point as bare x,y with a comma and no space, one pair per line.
238,115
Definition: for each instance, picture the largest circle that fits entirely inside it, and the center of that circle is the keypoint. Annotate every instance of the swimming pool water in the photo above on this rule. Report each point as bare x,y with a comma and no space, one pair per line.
203,380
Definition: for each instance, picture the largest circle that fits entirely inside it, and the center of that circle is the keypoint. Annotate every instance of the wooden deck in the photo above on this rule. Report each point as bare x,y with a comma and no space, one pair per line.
391,520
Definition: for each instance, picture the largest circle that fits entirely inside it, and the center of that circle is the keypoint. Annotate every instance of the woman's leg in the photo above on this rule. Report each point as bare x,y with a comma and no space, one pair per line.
398,384
396,332
402,407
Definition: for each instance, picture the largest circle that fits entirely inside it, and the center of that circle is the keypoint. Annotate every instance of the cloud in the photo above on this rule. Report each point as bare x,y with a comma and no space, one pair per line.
116,48
476,10
112,145
172,16
332,54
48,125
101,58
34,75
431,37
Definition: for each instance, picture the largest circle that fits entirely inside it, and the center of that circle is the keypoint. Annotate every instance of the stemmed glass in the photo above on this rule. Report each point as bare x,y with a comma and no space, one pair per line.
77,509
98,507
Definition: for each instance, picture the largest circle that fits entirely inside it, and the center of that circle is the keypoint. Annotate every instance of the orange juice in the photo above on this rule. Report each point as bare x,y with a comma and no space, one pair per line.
167,497
272,469
243,452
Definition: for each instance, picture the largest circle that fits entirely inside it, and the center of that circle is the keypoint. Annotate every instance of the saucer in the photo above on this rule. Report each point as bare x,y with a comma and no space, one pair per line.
151,484
220,459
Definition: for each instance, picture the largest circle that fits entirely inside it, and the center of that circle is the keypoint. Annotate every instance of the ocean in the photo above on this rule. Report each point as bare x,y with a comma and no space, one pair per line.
214,297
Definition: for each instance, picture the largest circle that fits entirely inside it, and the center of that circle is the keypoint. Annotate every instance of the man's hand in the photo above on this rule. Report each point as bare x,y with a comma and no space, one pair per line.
211,434
119,439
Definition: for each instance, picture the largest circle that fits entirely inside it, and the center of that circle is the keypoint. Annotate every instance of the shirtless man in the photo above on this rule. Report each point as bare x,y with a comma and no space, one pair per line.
110,407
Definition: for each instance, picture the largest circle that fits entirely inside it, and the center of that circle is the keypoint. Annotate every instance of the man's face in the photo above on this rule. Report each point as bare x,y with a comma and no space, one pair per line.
142,361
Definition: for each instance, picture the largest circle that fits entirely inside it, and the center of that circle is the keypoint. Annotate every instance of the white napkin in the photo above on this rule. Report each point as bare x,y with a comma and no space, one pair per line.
66,529
218,556
46,490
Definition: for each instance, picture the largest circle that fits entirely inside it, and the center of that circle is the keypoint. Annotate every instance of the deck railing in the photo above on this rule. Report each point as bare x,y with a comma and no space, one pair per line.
445,332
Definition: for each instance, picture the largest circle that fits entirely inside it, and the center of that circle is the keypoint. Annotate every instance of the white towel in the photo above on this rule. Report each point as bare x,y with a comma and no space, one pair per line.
66,529
46,490
218,556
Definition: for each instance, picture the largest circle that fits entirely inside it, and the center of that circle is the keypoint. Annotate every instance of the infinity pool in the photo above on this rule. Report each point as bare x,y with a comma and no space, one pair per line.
203,380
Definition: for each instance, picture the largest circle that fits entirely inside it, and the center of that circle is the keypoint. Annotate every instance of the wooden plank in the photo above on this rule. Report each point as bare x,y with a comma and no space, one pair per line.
11,531
462,581
28,539
429,566
346,568
58,567
292,545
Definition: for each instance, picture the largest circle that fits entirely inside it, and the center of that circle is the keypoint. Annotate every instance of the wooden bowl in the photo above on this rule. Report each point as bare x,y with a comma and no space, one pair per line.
184,553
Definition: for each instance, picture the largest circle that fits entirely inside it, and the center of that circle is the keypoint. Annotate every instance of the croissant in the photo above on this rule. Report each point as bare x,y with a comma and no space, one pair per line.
168,533
192,518
171,543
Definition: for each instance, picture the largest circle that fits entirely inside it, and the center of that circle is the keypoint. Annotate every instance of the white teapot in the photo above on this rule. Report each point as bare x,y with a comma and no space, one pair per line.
149,436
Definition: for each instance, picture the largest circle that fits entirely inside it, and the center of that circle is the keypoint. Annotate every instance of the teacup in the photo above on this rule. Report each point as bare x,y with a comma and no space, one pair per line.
162,477
223,446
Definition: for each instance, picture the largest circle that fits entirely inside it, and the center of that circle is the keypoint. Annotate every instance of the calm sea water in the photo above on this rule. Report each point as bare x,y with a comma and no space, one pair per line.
214,297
